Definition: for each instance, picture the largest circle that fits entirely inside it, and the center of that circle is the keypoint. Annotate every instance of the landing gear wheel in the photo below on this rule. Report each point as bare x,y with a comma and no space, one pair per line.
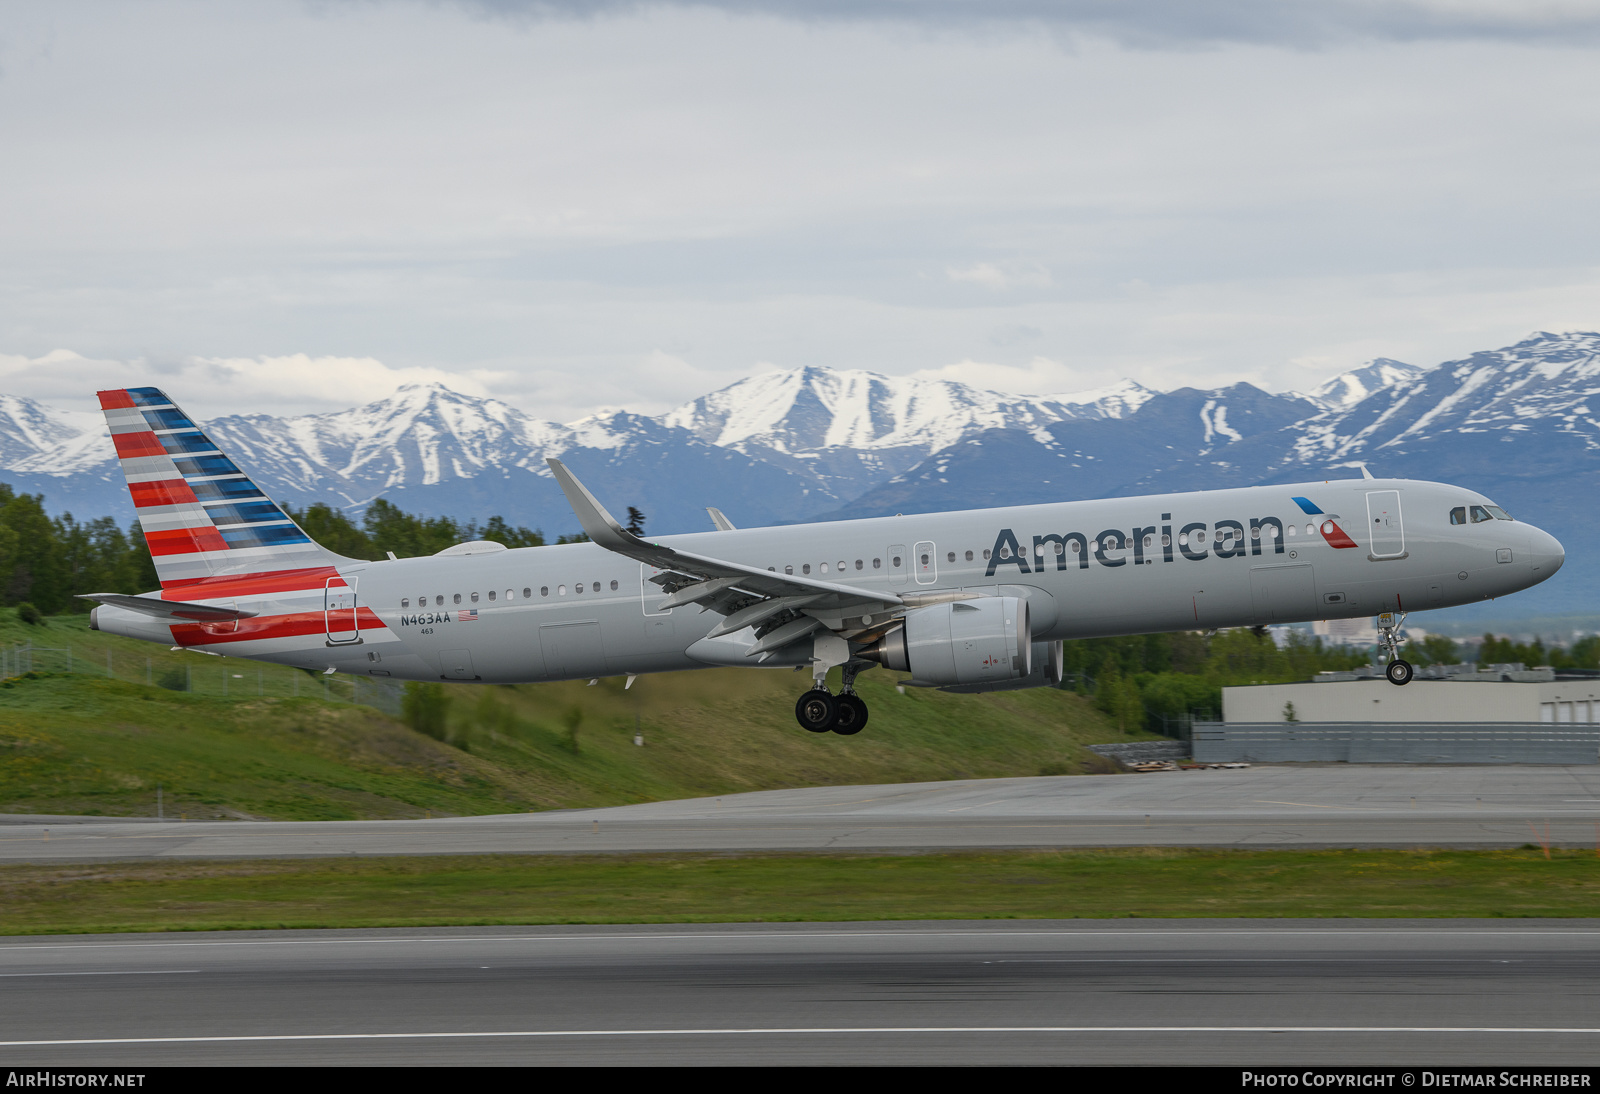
816,711
852,715
1399,672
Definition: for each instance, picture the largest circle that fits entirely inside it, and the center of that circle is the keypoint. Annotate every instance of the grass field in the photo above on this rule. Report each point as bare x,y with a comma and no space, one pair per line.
240,744
512,889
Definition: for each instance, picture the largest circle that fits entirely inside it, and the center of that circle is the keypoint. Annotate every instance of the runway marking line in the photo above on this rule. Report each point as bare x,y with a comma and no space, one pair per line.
786,1031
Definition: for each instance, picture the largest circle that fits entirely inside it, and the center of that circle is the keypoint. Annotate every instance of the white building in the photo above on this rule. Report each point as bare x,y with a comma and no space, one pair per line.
1537,698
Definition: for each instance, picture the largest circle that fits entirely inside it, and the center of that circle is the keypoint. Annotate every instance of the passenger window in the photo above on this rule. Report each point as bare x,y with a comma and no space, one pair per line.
986,553
858,564
561,590
613,584
405,602
596,586
969,556
897,560
527,594
822,568
951,557
578,588
456,598
474,598
438,601
544,590
1458,515
1480,514
491,595
877,564
841,566
788,570
806,569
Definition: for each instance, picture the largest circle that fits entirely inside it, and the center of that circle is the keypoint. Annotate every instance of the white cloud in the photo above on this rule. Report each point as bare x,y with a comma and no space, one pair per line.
993,276
636,209
209,386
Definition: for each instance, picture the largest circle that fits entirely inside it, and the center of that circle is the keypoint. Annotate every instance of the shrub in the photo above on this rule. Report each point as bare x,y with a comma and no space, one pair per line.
426,708
30,615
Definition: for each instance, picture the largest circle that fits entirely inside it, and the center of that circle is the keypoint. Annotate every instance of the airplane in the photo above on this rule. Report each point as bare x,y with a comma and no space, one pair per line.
971,601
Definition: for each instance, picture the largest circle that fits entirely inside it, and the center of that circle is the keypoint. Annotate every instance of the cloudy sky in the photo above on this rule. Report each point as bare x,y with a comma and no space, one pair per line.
290,206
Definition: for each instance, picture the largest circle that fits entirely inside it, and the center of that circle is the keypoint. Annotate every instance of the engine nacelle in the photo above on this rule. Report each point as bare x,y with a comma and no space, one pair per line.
988,640
1048,666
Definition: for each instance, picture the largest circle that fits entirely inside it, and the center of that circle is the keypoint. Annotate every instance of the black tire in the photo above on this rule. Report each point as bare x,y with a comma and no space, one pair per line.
852,716
816,711
1399,672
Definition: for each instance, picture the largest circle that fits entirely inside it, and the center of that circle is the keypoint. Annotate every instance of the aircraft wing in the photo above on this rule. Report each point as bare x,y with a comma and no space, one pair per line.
169,609
748,596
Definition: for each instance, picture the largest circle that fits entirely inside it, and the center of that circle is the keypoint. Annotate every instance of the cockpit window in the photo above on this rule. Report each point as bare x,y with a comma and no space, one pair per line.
1497,513
1480,514
1458,515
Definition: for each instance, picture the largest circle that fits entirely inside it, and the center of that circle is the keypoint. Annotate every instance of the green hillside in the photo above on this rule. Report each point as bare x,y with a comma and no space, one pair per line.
254,741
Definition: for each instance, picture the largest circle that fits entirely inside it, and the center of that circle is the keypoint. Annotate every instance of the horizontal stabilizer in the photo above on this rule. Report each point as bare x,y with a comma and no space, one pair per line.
722,523
168,609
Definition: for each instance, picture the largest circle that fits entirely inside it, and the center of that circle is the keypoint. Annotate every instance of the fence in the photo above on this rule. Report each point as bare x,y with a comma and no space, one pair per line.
211,676
1409,743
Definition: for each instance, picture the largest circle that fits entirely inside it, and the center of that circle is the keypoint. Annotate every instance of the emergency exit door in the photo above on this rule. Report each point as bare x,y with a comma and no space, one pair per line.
339,612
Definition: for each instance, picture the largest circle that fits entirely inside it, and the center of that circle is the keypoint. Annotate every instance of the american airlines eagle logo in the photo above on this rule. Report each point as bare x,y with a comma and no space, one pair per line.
1194,542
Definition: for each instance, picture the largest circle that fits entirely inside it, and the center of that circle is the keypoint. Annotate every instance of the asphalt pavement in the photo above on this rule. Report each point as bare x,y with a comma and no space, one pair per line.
1299,805
1222,992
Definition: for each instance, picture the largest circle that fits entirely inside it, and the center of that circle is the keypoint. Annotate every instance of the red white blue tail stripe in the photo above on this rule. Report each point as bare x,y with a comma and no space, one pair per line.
202,517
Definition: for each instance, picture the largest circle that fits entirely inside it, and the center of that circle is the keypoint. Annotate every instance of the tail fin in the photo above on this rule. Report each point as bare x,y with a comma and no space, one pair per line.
202,517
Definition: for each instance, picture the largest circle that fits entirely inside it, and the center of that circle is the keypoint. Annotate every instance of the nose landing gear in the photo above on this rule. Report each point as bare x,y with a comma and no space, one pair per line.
1399,670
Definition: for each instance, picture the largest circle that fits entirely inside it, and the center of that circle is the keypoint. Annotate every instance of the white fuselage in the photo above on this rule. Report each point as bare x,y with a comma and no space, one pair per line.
512,616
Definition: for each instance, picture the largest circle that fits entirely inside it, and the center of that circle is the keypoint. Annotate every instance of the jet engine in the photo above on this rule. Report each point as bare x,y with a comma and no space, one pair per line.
988,640
1048,666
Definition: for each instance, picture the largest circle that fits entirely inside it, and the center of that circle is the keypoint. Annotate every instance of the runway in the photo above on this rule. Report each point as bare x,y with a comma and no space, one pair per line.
1222,992
1300,805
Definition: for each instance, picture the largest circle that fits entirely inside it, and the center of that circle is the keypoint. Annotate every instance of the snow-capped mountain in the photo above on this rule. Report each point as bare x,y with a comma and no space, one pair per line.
780,446
1349,388
1518,423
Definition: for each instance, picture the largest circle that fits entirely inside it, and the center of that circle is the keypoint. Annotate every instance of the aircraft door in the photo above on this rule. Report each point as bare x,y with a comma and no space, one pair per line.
1383,522
1283,594
339,611
925,563
657,623
897,564
572,649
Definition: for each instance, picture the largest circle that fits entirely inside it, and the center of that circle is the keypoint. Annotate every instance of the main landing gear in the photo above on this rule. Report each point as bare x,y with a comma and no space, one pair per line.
1398,671
844,714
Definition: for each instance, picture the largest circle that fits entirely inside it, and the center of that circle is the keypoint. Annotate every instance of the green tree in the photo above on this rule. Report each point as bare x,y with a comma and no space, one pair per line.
1435,649
334,529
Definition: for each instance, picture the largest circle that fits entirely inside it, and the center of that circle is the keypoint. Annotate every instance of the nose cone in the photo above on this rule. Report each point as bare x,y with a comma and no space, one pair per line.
1546,554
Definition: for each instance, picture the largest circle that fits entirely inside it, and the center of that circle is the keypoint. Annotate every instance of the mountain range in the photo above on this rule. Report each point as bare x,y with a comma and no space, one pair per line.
816,444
